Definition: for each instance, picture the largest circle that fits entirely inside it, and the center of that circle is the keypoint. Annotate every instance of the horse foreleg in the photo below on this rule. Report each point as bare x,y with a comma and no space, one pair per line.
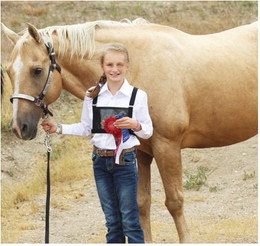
168,159
144,192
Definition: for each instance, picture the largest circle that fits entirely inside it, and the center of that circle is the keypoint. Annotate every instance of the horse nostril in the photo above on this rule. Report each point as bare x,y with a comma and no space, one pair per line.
24,129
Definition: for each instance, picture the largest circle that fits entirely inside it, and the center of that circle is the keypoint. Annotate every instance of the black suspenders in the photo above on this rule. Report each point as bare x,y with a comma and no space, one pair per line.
132,101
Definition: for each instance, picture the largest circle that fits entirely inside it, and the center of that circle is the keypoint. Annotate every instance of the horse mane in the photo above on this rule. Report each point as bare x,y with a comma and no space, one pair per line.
80,37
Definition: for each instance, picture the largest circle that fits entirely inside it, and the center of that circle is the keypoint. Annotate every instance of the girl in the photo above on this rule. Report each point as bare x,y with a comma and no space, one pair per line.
115,113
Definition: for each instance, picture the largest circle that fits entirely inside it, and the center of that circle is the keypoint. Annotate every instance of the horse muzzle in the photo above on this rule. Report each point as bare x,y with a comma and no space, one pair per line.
25,127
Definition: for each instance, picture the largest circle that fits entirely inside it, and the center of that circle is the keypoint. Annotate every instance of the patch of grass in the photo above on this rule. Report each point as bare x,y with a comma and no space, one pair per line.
196,180
29,10
13,195
9,233
162,232
27,226
6,125
74,154
60,205
113,10
56,151
14,22
214,189
138,9
224,230
249,175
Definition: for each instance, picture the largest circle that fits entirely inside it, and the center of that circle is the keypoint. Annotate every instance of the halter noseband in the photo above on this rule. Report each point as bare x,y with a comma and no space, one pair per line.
39,99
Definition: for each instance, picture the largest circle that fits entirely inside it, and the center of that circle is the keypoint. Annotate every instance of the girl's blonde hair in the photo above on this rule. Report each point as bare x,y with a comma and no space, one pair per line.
113,47
93,92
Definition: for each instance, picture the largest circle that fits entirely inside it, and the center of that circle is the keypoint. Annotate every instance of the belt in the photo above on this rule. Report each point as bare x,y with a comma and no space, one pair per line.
110,152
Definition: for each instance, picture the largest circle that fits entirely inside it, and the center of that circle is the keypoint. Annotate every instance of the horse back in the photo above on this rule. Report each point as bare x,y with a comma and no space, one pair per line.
222,89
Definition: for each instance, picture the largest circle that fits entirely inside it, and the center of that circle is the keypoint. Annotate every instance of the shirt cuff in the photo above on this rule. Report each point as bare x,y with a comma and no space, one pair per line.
145,132
65,129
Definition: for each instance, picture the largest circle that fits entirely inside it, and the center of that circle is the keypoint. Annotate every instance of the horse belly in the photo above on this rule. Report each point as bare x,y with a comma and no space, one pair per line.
222,123
198,139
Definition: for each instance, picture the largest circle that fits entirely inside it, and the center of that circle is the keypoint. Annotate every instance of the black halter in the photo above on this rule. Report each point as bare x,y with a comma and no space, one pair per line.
39,99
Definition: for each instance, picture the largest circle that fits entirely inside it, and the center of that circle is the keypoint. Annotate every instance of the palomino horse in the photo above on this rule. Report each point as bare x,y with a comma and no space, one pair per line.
202,90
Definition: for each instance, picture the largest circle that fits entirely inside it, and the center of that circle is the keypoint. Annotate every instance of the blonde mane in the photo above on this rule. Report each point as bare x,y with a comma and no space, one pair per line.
80,37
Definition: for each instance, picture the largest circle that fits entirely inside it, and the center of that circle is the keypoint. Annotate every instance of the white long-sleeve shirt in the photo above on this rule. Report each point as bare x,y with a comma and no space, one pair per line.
120,99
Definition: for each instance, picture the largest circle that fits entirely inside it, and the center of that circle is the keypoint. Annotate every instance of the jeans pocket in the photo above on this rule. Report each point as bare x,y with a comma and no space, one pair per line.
129,158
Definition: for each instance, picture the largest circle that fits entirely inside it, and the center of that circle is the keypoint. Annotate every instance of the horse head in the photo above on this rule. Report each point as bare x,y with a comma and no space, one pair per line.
35,81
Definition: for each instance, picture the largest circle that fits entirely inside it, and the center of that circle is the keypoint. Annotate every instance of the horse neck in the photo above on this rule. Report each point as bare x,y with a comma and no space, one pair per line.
78,74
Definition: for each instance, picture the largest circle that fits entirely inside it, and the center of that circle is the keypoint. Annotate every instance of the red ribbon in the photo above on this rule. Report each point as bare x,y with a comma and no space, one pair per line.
116,132
109,126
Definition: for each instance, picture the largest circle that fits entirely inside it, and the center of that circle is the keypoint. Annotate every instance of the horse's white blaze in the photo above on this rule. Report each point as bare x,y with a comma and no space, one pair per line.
17,66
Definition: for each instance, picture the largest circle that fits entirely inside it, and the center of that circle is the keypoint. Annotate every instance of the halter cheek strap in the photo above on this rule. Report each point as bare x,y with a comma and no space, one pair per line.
39,99
53,66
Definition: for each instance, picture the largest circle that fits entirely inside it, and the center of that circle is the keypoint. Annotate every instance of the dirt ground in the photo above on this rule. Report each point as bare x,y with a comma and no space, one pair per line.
222,211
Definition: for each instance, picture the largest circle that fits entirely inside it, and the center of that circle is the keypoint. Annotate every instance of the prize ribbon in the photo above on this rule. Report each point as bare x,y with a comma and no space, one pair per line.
116,132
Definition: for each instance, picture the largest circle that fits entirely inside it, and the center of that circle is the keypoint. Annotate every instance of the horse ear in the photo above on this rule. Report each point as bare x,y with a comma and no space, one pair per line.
34,33
11,35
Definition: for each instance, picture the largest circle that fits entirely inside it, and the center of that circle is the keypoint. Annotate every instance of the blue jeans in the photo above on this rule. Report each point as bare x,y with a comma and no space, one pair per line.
117,191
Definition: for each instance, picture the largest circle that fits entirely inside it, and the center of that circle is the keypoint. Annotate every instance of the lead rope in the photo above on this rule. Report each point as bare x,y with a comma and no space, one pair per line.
48,183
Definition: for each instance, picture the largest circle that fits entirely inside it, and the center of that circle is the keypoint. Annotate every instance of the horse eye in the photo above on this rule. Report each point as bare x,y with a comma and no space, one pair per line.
37,71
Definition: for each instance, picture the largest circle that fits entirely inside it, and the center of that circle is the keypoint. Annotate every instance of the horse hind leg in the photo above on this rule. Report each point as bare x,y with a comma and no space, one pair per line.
144,193
168,159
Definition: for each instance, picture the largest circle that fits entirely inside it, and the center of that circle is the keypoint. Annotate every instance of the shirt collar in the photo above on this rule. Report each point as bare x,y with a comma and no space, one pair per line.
125,88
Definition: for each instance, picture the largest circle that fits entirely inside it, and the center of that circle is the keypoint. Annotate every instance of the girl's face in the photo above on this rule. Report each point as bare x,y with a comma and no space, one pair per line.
115,66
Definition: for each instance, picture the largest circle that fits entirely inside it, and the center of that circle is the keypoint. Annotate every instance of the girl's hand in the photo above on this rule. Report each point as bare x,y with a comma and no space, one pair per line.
128,123
49,125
